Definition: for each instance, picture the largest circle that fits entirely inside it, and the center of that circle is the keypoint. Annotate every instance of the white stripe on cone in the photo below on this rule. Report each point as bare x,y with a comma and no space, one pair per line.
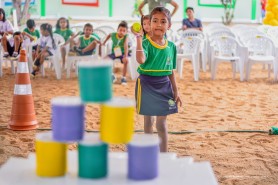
22,67
22,89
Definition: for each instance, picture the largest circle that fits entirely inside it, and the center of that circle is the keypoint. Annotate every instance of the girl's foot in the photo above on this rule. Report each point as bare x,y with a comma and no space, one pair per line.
15,55
33,74
6,55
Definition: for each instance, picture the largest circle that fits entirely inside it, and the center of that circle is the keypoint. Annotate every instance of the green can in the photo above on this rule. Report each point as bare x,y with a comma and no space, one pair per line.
92,157
95,81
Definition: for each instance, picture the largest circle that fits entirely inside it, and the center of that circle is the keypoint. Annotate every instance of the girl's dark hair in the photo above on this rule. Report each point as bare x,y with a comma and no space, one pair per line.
123,24
163,10
48,27
58,23
144,17
30,23
4,15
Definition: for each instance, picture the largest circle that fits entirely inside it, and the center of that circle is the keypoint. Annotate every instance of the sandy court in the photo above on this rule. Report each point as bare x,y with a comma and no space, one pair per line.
223,104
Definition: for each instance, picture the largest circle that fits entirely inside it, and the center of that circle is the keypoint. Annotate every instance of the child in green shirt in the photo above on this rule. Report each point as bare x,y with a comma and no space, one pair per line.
32,33
62,28
120,48
86,43
156,91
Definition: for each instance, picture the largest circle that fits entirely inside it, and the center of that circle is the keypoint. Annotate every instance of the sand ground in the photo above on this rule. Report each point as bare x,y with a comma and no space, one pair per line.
223,104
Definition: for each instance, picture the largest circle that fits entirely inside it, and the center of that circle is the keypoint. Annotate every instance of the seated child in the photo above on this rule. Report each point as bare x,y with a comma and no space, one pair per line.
32,33
120,48
63,29
46,47
11,41
86,43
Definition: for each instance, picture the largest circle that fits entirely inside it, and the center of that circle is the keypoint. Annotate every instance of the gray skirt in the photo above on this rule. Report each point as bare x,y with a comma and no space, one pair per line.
154,96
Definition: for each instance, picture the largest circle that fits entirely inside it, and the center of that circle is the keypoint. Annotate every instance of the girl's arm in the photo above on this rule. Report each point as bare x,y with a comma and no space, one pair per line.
175,89
140,55
107,38
141,7
176,6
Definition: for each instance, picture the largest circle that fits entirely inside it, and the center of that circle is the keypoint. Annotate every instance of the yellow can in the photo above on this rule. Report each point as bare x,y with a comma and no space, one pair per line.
117,121
51,156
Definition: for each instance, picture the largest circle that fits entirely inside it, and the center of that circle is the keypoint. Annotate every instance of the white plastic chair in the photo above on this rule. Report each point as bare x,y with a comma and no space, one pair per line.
55,59
227,51
261,50
211,42
203,47
190,50
6,60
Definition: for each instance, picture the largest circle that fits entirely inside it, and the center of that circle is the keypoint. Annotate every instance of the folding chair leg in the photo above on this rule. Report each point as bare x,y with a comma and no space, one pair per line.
69,66
234,69
248,70
57,68
268,69
181,67
213,69
30,65
241,70
12,67
275,70
43,70
196,67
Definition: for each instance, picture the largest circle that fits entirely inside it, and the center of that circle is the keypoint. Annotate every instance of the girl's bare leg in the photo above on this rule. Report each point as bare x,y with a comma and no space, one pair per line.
162,130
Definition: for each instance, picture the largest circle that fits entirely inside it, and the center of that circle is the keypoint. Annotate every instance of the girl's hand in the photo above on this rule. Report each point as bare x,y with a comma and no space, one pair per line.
140,33
177,98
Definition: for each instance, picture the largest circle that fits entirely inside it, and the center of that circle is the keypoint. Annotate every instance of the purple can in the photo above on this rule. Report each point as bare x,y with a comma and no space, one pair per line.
143,152
68,119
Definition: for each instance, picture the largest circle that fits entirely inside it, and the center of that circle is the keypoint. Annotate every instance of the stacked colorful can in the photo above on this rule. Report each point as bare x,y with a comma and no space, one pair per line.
117,125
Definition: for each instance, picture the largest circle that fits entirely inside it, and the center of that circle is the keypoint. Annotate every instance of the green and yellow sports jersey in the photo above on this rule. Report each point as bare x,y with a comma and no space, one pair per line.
118,42
65,33
35,34
84,42
160,60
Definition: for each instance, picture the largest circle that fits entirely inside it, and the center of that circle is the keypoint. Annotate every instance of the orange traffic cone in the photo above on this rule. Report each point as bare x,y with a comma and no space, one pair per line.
23,113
